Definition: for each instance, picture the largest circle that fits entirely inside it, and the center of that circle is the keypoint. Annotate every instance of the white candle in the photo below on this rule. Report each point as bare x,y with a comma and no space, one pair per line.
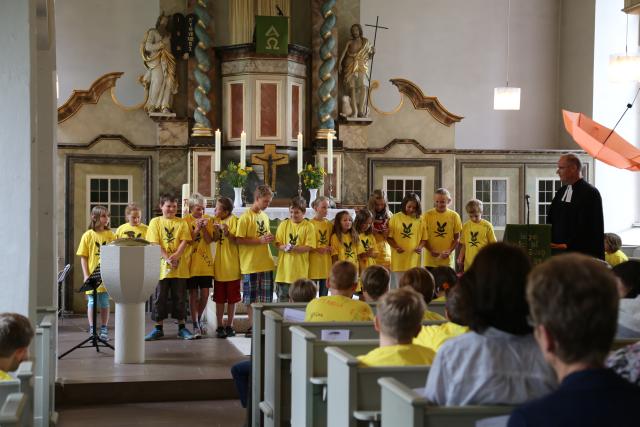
243,150
185,199
300,148
218,156
330,152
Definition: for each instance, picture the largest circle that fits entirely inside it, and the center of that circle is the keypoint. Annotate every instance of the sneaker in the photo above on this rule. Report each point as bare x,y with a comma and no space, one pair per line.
90,331
185,334
155,334
203,328
104,333
220,333
230,331
196,333
249,333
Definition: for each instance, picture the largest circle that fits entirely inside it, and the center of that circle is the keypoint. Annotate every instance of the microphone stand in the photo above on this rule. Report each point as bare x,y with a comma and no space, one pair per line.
528,209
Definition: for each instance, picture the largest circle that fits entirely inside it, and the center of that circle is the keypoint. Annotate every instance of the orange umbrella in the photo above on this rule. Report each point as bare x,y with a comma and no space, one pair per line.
601,142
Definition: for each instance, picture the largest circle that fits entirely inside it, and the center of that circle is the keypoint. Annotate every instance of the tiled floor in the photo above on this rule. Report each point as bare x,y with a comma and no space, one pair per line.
227,413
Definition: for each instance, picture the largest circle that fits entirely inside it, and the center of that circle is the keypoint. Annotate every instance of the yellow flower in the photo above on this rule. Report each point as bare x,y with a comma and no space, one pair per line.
249,169
309,167
322,171
241,172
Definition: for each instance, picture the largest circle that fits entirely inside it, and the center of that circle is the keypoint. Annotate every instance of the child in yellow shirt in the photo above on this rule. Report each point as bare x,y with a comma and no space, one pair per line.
375,282
362,225
398,321
98,235
133,228
320,256
201,267
379,207
612,253
295,237
16,334
340,305
406,237
421,281
443,227
476,234
226,286
345,242
256,263
433,336
172,234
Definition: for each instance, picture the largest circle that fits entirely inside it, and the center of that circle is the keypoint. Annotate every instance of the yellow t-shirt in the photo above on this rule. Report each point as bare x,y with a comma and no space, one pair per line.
254,258
227,261
432,315
337,308
383,251
128,231
199,250
320,264
4,376
368,241
475,236
618,257
293,265
398,355
89,247
169,233
346,249
407,233
434,336
440,228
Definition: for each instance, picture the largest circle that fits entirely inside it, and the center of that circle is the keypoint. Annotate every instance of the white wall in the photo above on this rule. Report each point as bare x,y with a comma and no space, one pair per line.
96,37
456,50
619,188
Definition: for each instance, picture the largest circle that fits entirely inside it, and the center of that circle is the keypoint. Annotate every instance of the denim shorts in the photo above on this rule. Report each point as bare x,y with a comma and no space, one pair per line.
103,300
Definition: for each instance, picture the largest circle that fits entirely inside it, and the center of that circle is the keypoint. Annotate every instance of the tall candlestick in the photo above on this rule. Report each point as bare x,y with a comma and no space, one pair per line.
243,150
185,199
330,152
300,148
218,155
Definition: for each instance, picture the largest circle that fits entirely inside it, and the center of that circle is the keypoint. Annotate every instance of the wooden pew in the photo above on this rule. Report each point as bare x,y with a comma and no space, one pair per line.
309,373
403,407
13,411
275,404
437,307
354,394
45,369
8,387
619,343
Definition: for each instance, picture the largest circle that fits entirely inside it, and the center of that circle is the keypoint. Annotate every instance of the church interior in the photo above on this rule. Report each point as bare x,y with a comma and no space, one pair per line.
391,96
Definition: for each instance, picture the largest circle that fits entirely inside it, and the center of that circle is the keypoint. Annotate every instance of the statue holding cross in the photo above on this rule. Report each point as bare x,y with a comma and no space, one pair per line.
269,159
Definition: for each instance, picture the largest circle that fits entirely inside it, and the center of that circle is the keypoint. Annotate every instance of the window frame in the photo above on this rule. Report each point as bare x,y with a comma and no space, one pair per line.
506,198
404,179
537,201
128,178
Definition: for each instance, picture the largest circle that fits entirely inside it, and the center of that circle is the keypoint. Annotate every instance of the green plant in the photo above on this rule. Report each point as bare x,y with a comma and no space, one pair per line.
312,176
235,175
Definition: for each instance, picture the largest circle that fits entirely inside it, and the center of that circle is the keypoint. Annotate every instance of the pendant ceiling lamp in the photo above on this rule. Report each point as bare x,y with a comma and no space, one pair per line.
624,68
507,97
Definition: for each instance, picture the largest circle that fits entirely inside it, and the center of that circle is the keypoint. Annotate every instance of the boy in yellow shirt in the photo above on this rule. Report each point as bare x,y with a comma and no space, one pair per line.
16,333
133,228
295,237
256,263
340,305
172,234
421,281
612,253
443,227
398,321
320,256
433,336
476,234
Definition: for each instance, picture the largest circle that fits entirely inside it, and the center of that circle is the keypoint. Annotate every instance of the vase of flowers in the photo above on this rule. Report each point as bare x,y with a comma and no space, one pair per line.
312,178
237,177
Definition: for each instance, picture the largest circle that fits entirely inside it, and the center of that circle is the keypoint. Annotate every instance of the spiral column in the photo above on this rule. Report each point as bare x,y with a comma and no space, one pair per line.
326,71
202,126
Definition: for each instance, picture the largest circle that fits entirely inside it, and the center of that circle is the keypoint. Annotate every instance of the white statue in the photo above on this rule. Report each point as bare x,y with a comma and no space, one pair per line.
160,78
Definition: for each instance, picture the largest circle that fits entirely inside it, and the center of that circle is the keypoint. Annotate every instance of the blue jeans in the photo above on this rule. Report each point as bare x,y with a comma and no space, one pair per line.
241,373
102,297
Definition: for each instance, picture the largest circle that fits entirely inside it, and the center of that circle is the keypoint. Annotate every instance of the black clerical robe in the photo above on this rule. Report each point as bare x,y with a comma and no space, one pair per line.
578,222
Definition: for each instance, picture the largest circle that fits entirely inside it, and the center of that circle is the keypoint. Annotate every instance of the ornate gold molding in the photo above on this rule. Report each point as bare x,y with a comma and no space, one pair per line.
422,102
80,97
374,86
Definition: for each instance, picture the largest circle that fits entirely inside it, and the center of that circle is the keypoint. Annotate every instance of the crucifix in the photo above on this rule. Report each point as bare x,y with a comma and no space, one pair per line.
270,160
375,35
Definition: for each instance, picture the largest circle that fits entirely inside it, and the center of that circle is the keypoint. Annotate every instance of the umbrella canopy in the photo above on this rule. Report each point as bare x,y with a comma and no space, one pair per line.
601,142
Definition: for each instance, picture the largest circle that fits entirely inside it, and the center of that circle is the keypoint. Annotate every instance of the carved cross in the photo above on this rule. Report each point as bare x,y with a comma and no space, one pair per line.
270,160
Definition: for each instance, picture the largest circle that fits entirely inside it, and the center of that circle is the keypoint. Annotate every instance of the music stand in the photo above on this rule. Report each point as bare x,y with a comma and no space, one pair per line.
91,284
62,278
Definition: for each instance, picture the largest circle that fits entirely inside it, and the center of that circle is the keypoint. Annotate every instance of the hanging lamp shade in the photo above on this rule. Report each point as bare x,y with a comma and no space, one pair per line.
506,98
624,68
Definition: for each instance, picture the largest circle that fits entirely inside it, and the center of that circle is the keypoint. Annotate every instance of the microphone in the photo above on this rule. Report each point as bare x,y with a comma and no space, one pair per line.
280,12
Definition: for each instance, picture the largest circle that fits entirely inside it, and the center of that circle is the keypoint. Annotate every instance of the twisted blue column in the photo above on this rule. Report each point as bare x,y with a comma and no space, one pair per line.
325,72
201,93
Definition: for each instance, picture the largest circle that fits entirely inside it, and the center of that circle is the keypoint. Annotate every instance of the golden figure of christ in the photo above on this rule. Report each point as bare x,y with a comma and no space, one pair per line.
269,159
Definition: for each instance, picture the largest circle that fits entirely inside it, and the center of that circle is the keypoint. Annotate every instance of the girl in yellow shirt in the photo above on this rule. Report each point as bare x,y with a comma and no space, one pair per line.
381,215
406,238
345,242
134,228
363,225
320,256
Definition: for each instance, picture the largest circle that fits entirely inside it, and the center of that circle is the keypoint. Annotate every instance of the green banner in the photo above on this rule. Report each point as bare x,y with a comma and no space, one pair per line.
539,246
272,35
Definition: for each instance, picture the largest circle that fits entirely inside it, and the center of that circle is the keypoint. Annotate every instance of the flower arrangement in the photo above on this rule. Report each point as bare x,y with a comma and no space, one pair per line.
235,175
312,176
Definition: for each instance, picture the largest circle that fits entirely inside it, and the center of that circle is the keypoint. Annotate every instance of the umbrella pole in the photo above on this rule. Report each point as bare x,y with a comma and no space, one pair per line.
625,112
